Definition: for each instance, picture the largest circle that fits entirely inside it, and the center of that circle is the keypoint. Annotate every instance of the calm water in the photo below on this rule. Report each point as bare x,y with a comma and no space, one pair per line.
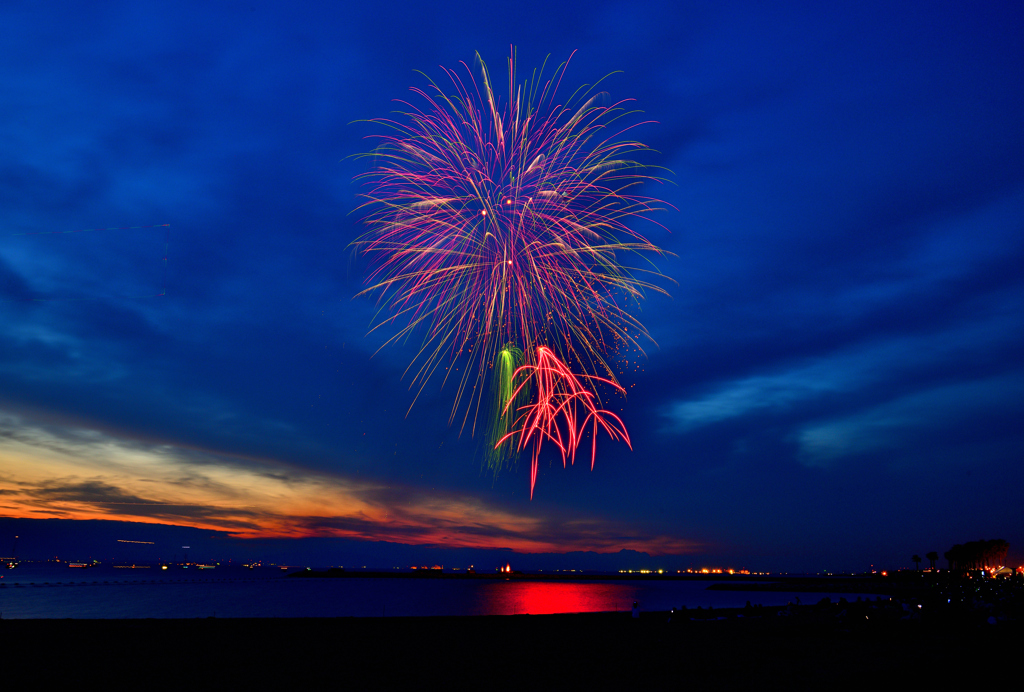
55,591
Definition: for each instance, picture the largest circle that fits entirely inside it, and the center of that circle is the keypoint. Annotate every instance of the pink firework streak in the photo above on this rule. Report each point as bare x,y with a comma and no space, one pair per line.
563,408
496,223
500,220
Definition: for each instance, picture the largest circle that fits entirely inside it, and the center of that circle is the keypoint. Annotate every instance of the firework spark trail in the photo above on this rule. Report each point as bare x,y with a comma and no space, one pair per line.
556,415
496,224
508,399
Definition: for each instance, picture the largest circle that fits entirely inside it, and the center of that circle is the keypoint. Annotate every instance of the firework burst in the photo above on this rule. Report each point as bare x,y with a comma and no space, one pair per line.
498,228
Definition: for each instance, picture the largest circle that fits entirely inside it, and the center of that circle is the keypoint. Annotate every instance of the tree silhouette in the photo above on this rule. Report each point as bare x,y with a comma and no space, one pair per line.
916,559
977,554
932,557
996,552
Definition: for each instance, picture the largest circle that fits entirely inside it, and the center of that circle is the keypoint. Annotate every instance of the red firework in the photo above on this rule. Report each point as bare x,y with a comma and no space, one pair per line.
563,408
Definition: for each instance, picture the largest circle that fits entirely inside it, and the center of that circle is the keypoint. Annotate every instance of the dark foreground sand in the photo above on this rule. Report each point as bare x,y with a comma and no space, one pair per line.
525,651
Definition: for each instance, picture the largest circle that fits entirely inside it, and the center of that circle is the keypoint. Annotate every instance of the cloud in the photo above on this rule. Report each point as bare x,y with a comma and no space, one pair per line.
742,397
922,421
60,470
13,285
877,365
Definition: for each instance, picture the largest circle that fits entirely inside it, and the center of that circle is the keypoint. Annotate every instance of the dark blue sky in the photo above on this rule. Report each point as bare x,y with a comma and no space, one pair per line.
838,374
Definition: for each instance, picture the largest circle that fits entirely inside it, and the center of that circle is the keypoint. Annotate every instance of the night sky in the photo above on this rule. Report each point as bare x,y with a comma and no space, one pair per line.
836,380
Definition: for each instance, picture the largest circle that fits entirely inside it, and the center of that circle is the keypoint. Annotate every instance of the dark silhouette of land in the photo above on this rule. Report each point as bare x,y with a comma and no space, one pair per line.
800,648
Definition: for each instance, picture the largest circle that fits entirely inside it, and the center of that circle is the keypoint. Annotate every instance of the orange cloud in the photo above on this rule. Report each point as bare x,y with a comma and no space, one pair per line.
71,473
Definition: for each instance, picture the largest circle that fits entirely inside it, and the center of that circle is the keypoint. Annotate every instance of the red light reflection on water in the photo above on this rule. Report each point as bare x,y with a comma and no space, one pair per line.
543,598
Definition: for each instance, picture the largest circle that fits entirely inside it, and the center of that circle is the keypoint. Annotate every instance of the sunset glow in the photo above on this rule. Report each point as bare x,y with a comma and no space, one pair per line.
74,473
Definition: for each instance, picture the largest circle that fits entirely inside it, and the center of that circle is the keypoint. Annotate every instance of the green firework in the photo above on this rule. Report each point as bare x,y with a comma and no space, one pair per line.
506,403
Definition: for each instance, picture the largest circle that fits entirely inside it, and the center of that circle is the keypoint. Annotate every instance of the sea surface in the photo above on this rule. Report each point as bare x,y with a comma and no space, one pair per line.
47,590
